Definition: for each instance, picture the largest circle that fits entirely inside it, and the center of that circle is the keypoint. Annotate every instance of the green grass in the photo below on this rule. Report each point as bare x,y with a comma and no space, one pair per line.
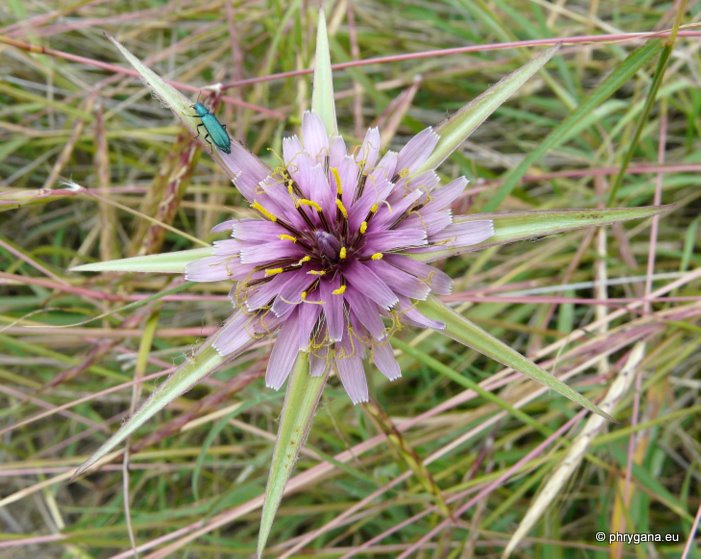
584,133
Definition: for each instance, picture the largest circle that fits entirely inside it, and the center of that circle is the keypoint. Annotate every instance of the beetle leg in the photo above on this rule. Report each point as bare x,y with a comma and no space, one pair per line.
198,129
206,139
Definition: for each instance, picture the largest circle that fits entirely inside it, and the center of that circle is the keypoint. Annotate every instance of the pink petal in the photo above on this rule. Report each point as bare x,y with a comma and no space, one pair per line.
282,358
374,192
224,226
234,335
383,356
369,150
260,295
333,308
227,247
290,293
318,361
348,173
248,169
210,268
256,230
386,168
313,182
412,316
388,215
291,150
308,316
367,313
352,374
393,239
426,182
337,151
400,281
446,195
316,141
267,252
431,222
440,282
363,279
465,233
416,151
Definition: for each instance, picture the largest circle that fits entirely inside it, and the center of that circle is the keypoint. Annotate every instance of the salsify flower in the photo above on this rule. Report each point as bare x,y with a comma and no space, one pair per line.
336,258
328,261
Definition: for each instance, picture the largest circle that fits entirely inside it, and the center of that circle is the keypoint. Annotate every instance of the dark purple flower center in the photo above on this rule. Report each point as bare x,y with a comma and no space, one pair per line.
328,246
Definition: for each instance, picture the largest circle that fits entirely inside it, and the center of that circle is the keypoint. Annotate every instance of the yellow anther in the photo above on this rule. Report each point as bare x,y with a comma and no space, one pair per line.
376,256
286,237
265,213
273,272
316,272
373,209
363,227
303,295
303,260
342,253
340,291
342,208
311,203
337,178
290,189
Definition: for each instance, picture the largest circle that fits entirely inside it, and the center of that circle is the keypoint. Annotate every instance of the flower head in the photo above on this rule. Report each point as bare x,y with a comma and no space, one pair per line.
328,261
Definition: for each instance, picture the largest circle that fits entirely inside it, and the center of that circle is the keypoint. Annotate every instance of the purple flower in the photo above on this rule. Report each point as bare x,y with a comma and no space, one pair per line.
328,262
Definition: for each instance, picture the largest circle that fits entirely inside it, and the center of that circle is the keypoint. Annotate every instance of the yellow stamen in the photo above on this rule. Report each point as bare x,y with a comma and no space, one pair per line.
337,178
376,256
373,209
317,272
363,227
265,213
311,203
286,237
340,291
303,260
273,271
342,253
303,295
290,189
341,207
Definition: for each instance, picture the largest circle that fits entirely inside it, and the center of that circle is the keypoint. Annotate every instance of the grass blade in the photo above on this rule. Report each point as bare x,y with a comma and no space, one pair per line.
569,464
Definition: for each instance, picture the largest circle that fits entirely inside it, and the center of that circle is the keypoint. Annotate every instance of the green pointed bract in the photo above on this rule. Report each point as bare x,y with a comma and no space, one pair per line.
323,103
166,263
205,361
518,226
571,125
454,131
462,330
171,97
301,400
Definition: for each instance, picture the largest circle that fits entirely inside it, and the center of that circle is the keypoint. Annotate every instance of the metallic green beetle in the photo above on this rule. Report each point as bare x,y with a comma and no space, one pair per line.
215,129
